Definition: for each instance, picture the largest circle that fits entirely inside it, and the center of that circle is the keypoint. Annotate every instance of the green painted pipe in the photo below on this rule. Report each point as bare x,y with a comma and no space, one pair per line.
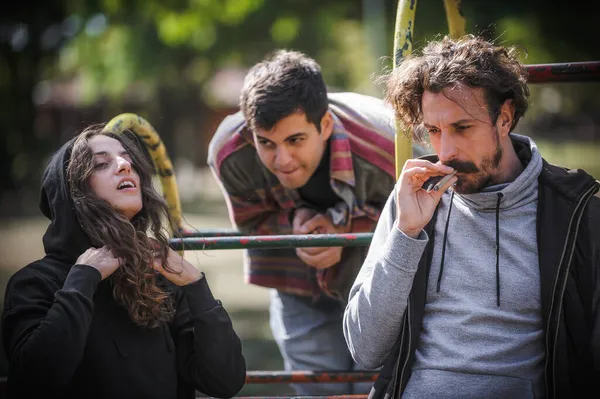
272,241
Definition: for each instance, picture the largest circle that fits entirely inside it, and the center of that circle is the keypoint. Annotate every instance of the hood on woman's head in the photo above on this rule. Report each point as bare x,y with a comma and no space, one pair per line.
64,239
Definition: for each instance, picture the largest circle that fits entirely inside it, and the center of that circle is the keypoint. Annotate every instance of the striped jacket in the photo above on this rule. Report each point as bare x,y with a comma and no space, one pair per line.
362,175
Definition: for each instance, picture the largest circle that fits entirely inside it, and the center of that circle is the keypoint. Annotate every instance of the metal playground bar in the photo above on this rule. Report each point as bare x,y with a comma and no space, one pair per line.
219,239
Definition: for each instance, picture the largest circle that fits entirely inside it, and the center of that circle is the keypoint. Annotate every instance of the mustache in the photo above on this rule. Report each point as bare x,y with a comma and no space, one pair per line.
462,166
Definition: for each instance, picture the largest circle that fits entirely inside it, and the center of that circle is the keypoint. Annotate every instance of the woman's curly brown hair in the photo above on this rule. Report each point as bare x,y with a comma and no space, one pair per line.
135,283
469,60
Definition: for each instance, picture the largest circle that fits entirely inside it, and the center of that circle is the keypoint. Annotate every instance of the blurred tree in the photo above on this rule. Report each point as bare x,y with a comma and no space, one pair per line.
162,53
29,42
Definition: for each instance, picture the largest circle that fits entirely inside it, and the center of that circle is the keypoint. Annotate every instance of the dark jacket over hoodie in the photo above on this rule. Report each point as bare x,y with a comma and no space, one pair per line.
66,337
560,321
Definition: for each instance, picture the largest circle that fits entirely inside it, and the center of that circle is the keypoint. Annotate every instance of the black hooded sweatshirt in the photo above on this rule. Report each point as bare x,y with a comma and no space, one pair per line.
65,336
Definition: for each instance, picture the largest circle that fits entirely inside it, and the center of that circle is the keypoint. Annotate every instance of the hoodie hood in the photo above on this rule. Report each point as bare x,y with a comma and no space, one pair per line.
64,239
511,195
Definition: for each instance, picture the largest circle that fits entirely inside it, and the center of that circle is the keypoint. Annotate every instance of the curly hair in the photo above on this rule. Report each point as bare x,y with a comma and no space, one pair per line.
470,60
135,284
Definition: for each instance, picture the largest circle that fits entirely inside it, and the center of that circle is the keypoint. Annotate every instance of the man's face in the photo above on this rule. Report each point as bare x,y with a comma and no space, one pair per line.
463,135
293,148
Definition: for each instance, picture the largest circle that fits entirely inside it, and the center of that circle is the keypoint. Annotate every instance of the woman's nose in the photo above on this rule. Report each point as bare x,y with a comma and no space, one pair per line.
123,165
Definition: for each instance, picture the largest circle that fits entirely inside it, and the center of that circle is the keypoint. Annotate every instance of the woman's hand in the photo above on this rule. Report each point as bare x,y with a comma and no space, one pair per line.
184,272
101,259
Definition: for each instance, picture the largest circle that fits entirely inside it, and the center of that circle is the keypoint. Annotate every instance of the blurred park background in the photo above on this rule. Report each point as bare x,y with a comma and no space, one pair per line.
180,64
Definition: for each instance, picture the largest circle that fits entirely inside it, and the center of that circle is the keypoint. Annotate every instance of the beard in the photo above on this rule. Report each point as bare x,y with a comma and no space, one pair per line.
472,178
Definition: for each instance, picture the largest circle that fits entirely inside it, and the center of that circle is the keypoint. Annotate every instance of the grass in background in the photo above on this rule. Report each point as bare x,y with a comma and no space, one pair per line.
574,155
260,350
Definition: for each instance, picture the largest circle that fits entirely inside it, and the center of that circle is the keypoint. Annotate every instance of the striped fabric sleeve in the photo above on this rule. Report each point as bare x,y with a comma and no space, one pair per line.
256,215
363,224
252,211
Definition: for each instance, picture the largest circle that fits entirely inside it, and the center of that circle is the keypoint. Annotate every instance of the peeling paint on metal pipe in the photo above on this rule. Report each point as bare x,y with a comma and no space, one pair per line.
272,241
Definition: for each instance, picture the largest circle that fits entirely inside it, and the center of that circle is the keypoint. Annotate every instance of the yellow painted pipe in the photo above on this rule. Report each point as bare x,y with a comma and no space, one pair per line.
403,42
158,153
456,20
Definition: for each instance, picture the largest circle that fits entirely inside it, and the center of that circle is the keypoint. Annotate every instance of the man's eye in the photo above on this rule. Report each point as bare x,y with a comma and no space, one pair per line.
462,127
296,140
433,131
267,144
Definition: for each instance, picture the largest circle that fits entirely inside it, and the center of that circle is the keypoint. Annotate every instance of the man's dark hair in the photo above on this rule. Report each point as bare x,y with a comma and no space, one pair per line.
284,84
469,60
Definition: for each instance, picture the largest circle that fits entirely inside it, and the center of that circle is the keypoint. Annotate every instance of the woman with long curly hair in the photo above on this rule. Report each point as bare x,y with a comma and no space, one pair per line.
111,311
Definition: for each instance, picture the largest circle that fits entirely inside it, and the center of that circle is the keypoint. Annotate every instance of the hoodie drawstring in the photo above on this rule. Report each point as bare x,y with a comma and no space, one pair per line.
498,249
439,280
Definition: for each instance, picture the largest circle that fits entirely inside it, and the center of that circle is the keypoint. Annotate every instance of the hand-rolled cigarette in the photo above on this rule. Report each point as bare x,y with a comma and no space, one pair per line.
445,180
440,183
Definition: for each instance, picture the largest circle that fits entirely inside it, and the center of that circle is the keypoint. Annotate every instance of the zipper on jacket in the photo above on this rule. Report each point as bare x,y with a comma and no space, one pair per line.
577,212
407,328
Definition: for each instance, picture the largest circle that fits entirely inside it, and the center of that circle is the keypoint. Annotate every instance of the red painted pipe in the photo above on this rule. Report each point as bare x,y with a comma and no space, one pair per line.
306,397
275,377
587,71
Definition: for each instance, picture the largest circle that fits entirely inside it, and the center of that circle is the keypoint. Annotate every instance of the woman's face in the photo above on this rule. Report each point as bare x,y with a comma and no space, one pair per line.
113,179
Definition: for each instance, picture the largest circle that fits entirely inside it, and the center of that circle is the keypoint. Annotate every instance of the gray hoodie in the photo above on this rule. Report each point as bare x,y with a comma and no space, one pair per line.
482,333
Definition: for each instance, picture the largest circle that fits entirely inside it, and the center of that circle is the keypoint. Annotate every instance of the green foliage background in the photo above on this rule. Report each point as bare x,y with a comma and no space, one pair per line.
157,58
